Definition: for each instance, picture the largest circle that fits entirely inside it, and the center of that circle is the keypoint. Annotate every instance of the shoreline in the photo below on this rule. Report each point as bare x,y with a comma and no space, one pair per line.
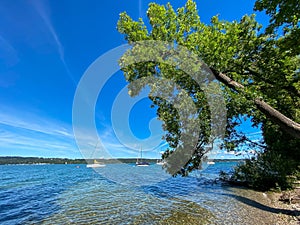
15,160
283,201
256,207
284,206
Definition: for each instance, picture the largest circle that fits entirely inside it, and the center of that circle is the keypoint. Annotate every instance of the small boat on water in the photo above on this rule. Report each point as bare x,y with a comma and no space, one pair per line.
141,162
160,162
96,164
210,162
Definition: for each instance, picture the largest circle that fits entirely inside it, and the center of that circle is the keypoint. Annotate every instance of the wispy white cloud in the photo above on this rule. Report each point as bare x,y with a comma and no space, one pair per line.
28,143
30,134
34,123
43,10
105,144
101,145
25,139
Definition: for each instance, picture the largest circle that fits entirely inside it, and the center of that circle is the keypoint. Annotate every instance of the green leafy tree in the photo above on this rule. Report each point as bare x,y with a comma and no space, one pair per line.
284,15
258,74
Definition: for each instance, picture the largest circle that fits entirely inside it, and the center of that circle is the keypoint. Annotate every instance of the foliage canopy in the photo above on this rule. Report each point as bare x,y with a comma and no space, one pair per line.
264,64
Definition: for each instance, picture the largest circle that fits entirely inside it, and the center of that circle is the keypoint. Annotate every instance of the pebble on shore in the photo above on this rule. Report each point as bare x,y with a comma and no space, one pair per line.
286,200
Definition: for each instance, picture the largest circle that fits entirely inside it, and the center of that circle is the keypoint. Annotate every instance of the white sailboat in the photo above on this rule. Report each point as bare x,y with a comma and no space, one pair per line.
160,162
96,164
141,162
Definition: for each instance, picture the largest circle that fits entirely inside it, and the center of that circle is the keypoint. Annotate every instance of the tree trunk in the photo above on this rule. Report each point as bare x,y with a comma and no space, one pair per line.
285,123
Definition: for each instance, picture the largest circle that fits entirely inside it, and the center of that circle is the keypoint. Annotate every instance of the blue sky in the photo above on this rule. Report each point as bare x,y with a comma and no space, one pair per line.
45,48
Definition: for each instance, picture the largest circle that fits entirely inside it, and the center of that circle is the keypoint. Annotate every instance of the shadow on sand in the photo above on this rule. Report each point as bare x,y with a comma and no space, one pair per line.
171,188
263,207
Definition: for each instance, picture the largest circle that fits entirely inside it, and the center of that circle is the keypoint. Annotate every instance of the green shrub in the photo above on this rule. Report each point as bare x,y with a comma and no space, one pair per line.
267,171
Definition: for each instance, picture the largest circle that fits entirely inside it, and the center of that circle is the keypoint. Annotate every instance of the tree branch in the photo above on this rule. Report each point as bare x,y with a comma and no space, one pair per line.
290,88
285,123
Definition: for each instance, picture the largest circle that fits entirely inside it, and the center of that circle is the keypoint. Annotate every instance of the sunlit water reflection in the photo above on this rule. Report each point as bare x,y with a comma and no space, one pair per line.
122,194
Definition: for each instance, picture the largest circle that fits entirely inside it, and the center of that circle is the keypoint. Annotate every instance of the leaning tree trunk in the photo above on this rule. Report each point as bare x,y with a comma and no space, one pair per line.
285,123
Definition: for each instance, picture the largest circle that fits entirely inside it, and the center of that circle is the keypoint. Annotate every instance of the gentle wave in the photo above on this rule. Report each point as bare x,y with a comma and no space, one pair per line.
120,194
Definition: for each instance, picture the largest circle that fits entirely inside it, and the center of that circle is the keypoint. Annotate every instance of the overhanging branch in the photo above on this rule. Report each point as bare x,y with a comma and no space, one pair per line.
285,123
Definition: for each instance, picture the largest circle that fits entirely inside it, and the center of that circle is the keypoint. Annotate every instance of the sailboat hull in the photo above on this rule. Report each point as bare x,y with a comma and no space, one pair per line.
94,165
142,164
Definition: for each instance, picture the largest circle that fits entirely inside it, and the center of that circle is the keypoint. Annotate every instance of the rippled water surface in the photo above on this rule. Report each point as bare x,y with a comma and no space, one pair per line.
122,194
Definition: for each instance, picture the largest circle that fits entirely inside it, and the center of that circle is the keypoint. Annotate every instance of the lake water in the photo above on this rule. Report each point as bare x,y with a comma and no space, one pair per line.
123,194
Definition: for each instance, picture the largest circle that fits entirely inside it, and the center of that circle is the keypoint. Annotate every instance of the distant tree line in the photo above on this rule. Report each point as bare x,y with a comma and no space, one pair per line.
36,160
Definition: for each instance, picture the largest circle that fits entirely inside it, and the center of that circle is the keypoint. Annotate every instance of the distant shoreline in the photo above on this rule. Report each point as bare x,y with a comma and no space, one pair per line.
9,160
